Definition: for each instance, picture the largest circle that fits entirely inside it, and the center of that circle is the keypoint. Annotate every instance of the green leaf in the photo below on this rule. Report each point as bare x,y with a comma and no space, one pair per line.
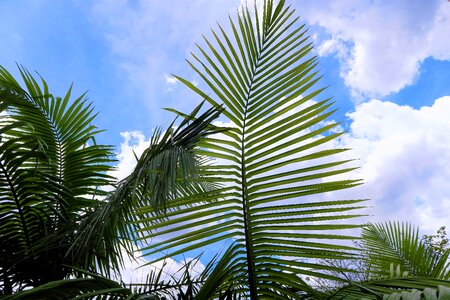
273,159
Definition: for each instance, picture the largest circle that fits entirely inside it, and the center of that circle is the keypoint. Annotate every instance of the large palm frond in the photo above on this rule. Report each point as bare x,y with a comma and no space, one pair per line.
274,160
398,245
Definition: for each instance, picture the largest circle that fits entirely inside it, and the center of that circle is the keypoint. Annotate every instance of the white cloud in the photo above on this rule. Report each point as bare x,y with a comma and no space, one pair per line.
380,44
171,82
134,271
133,145
170,79
405,161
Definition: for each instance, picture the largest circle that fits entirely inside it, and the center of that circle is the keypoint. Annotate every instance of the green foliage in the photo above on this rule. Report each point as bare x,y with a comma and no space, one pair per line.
394,287
427,294
86,286
400,266
52,172
54,207
439,241
264,191
398,245
168,168
274,160
159,285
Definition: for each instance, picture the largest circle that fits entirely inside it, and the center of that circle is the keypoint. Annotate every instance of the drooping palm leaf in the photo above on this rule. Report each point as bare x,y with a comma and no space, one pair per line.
274,160
169,167
399,245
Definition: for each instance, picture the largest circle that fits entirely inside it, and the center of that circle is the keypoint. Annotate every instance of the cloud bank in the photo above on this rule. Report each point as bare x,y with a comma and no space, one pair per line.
405,161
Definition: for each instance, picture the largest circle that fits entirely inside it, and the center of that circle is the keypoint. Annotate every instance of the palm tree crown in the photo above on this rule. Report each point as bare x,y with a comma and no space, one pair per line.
56,213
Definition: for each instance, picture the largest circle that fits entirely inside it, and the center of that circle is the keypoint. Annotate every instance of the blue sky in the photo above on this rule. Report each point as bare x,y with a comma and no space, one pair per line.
387,64
123,51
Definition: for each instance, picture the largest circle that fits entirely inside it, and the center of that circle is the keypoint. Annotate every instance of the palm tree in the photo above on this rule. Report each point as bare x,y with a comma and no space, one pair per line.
397,260
274,161
55,212
49,178
398,245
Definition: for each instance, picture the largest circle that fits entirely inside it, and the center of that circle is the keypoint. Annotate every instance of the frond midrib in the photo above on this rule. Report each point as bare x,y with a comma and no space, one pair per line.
17,203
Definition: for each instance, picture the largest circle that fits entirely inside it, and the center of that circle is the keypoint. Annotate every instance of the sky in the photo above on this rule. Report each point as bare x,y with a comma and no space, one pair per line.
387,65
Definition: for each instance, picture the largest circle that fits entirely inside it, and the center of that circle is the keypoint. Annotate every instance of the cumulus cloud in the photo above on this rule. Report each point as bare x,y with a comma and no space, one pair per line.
380,44
136,271
405,161
133,145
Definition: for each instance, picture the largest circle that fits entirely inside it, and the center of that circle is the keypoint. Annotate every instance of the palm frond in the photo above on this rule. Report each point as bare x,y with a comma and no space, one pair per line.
398,244
168,168
441,292
51,176
87,286
394,288
274,160
66,131
54,208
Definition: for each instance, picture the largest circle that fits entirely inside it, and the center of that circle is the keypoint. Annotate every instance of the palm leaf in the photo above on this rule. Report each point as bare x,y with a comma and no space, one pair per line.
87,286
273,159
395,288
51,175
441,292
169,167
398,244
54,208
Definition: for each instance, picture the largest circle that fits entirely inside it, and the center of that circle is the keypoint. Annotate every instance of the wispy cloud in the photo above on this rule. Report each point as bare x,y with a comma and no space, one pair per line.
149,40
171,80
